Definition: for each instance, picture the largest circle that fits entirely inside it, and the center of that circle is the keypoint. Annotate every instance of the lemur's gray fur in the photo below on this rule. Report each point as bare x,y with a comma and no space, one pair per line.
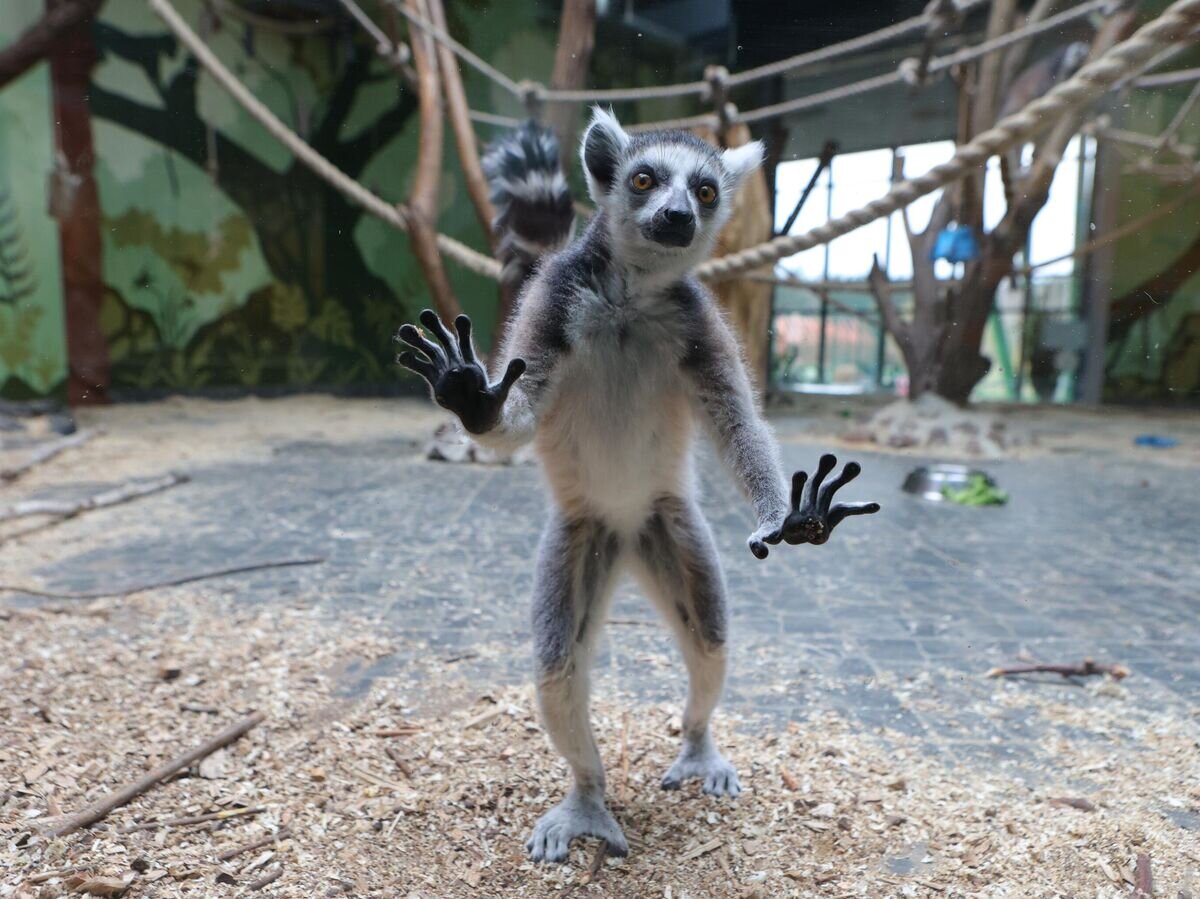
615,355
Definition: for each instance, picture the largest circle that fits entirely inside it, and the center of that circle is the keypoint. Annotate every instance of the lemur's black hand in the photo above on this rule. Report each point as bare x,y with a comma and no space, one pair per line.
812,519
459,381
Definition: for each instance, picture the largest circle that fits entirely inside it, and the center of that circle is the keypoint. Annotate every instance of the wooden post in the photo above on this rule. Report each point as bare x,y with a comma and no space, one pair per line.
1097,289
76,204
572,58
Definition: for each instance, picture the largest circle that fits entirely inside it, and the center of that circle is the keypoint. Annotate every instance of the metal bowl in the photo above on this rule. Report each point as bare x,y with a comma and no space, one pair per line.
928,481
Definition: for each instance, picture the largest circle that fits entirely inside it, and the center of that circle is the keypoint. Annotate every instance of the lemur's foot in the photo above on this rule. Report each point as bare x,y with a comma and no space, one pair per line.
459,380
812,519
700,759
579,815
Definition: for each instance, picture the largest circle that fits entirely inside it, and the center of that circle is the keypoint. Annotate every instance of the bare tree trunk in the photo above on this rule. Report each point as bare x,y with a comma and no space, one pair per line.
572,58
942,344
76,205
39,39
423,199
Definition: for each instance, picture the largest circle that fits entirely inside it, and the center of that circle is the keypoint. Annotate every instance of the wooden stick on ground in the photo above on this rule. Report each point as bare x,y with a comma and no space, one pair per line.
1086,668
394,755
1143,878
268,878
111,497
282,834
101,807
195,819
45,453
155,585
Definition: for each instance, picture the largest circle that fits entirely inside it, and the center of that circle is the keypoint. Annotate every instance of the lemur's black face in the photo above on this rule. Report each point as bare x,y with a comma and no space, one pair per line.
665,193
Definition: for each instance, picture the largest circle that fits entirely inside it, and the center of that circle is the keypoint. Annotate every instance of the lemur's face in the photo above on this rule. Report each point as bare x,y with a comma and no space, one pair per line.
668,192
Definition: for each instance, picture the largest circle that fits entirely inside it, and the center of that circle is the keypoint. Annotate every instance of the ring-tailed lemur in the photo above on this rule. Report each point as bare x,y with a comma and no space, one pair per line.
615,355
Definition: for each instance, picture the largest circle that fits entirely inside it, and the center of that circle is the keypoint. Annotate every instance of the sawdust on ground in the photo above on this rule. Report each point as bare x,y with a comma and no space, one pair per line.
420,786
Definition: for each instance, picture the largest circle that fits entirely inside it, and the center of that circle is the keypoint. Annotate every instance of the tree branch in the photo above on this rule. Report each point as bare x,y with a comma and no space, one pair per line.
460,123
881,290
423,199
572,58
36,41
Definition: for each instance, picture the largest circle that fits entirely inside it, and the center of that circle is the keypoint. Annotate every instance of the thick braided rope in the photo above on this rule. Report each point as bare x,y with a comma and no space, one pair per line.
396,216
1088,83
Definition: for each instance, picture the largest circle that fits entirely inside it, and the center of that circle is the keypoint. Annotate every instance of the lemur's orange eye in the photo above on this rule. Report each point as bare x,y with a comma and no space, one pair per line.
706,194
642,181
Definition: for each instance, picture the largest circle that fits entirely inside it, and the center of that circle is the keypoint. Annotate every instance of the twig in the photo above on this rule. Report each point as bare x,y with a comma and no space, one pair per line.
1086,668
101,807
282,834
1143,878
111,497
155,585
195,819
480,720
1084,805
623,761
45,453
394,755
63,510
270,877
634,622
597,861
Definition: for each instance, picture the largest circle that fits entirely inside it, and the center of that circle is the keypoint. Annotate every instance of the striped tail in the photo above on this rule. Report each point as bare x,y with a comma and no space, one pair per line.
535,216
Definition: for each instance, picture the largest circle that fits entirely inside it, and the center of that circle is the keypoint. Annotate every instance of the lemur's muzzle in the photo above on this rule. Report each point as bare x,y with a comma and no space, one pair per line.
673,227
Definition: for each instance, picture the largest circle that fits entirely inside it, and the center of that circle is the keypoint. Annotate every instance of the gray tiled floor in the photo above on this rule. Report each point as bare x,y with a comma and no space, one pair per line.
1094,556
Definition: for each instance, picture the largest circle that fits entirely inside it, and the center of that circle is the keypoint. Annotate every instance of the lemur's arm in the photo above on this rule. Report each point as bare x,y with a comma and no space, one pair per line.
502,415
725,400
722,390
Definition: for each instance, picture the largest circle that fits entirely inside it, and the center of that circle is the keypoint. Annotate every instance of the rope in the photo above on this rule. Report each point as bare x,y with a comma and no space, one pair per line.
383,44
1087,84
484,68
1168,79
940,64
397,216
488,118
854,45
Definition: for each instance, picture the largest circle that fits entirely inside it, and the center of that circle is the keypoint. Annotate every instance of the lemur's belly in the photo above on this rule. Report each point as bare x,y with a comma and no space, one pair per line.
616,437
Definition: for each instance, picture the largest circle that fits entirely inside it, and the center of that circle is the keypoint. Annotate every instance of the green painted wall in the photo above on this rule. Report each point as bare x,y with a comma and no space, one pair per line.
1157,356
32,341
226,262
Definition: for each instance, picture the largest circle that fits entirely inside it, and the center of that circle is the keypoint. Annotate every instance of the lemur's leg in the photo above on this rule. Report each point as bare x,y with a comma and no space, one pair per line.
677,562
577,563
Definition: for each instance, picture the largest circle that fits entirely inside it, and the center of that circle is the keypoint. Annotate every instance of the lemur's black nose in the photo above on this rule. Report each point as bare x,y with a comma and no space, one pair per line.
678,216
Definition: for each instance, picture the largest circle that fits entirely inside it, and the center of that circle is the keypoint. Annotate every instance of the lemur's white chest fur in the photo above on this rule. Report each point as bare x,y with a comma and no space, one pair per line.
617,429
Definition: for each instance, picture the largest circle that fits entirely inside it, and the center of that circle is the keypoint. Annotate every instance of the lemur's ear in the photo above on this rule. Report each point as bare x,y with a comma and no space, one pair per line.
741,161
603,143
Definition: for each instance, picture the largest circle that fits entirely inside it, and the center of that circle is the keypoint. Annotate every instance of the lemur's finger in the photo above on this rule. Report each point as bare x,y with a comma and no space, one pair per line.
758,548
828,461
430,320
420,366
845,510
466,348
515,369
418,341
799,479
848,474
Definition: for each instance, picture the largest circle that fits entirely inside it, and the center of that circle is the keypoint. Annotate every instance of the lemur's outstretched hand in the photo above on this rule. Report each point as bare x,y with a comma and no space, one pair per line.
459,381
812,519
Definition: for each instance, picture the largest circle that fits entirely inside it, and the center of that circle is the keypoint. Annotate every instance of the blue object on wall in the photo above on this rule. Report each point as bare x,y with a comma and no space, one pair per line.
956,243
